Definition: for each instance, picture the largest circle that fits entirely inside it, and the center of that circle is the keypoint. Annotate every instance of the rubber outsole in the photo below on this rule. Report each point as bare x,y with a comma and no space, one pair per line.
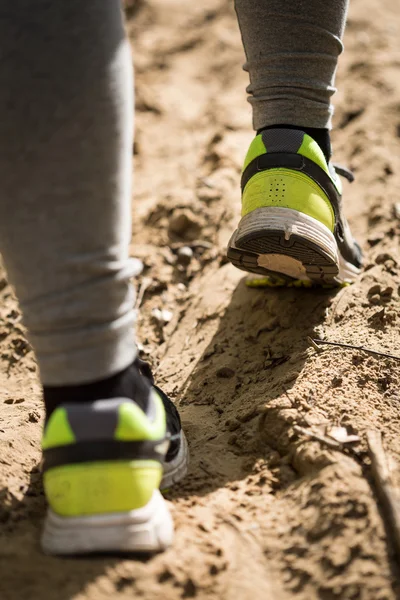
145,530
290,244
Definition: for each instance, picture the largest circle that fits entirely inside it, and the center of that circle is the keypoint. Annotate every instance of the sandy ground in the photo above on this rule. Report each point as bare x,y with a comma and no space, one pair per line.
265,512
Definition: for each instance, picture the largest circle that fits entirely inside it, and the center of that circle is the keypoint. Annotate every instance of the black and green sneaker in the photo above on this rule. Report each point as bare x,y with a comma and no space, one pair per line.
292,223
103,465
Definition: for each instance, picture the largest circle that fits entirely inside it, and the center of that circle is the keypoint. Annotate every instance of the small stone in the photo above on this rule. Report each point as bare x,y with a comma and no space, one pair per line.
161,316
166,315
33,416
396,210
184,256
387,292
225,372
381,258
375,289
232,424
375,299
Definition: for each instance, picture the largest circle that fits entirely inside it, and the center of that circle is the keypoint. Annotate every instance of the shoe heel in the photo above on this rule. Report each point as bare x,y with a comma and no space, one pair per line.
284,241
148,529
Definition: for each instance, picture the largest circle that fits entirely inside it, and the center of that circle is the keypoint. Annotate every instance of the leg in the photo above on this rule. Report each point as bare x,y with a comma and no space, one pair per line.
292,50
292,221
65,171
65,205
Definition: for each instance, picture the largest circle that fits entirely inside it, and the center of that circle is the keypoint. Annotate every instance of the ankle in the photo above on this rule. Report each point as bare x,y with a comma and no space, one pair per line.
321,136
129,383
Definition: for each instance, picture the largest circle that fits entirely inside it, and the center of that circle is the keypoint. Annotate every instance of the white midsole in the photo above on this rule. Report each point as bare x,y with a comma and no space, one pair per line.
146,529
291,222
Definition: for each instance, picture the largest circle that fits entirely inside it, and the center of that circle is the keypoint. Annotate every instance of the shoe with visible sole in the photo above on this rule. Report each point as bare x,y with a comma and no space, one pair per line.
103,464
292,223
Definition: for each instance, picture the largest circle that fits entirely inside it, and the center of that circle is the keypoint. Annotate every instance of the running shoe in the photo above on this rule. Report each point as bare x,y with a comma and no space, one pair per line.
292,224
103,465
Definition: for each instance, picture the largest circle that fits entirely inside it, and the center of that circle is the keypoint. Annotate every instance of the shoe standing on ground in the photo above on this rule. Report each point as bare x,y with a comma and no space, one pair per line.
292,221
292,216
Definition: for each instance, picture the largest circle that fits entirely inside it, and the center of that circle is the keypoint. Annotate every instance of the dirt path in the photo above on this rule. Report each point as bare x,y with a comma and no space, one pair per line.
264,513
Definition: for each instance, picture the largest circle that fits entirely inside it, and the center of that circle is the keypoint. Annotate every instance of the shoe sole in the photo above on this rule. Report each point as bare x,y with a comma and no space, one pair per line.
145,530
288,243
176,469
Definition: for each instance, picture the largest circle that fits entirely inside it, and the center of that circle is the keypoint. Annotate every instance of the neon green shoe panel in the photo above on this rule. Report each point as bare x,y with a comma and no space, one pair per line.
256,149
98,488
133,425
286,188
310,149
58,431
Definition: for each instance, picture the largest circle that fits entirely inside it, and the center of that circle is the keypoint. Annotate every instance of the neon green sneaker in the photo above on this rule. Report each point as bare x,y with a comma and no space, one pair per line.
103,465
292,221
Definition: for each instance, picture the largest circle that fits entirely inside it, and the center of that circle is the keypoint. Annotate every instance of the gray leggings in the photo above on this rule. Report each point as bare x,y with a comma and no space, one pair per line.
65,158
292,48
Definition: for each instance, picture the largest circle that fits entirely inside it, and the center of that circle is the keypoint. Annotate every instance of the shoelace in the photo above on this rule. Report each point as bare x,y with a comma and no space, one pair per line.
344,172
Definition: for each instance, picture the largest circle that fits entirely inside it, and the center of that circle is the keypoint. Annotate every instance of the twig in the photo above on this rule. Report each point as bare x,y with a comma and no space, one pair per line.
389,495
313,344
346,448
319,438
352,347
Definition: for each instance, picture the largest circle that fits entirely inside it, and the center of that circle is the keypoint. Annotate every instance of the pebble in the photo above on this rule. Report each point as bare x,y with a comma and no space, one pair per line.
161,316
34,416
387,292
375,299
381,258
184,256
225,372
375,289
